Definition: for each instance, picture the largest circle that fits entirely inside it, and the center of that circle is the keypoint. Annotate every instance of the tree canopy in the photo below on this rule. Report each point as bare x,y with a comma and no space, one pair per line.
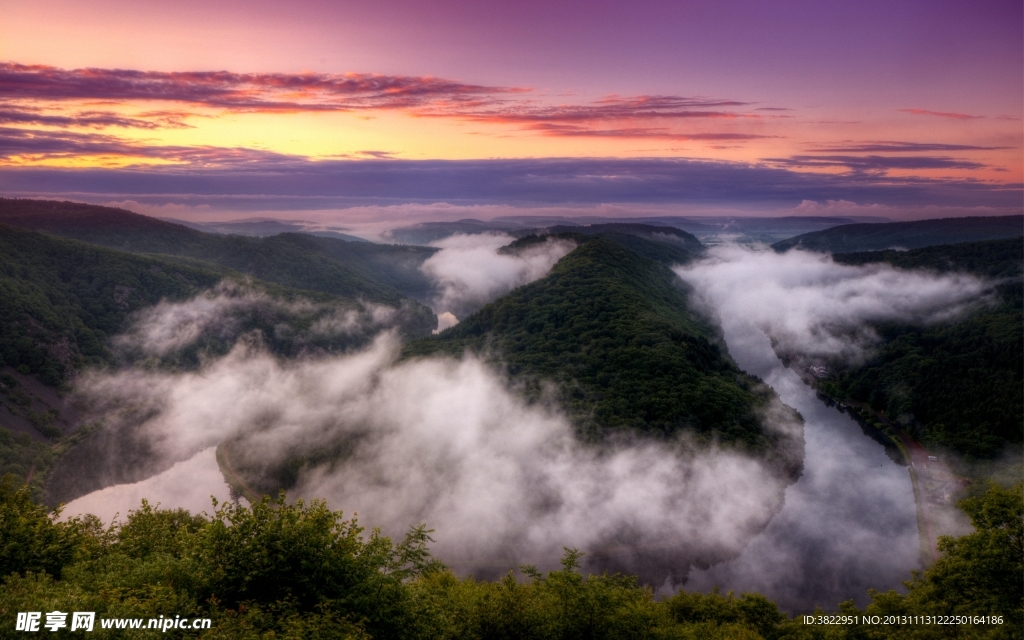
300,570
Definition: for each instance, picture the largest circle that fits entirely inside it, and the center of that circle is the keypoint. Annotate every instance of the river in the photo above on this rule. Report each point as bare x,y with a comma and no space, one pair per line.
848,524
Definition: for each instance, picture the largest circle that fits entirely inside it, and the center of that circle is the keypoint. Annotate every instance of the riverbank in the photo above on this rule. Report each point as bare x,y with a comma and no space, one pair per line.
937,488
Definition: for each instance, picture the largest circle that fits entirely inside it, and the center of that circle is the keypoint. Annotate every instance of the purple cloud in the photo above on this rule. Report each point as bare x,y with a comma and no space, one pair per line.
607,109
876,164
41,144
662,133
243,91
901,147
17,115
941,114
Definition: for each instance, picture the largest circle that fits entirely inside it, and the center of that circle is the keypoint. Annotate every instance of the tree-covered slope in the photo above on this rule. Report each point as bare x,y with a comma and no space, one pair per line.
378,273
613,330
991,258
957,385
906,235
61,300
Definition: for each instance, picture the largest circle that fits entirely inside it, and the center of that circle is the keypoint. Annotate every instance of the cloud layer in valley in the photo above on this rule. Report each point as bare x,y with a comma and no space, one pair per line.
230,309
449,443
469,271
808,304
503,481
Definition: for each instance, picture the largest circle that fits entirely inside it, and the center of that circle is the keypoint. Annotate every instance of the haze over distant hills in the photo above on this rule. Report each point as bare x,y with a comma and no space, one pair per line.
262,227
709,230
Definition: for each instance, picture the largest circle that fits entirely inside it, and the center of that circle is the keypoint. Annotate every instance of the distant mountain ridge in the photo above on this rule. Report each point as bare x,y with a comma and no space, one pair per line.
906,235
707,229
653,233
261,228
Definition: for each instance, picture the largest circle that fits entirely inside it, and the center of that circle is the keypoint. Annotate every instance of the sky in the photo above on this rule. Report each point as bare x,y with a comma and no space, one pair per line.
317,109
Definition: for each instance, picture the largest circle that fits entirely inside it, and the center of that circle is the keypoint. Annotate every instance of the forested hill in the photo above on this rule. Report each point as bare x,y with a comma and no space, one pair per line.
374,272
906,235
653,233
60,300
613,330
957,385
990,259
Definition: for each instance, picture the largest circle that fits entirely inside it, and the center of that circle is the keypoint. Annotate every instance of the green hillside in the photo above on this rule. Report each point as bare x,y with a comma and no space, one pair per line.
991,258
61,302
378,273
613,329
959,385
906,235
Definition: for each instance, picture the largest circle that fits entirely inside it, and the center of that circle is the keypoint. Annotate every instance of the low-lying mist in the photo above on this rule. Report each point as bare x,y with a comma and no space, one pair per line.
808,304
502,481
449,443
469,272
231,309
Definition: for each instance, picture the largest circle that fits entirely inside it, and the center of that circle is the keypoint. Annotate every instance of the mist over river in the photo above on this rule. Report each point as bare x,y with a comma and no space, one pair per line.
848,524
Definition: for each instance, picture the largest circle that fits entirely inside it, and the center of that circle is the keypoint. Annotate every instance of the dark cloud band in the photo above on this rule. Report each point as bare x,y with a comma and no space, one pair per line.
340,183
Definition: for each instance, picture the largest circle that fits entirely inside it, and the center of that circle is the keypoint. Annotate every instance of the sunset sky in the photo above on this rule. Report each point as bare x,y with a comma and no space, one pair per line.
348,110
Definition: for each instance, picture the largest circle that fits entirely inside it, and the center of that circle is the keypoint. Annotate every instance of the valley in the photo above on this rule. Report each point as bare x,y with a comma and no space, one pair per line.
616,360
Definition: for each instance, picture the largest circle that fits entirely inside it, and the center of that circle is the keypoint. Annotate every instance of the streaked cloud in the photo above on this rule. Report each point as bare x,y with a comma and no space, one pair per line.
611,108
876,163
243,91
22,115
941,114
661,133
45,144
608,117
901,147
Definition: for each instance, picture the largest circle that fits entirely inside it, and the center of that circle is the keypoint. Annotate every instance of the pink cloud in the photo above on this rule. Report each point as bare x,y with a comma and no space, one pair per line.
941,114
661,133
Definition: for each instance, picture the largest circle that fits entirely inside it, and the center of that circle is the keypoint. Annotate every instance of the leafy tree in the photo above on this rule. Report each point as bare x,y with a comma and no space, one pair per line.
981,573
31,538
